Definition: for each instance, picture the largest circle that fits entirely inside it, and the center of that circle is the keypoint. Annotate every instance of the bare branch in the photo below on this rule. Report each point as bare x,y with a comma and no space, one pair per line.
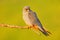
13,26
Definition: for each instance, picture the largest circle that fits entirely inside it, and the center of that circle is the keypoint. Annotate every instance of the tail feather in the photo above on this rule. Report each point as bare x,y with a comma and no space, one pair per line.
44,31
37,28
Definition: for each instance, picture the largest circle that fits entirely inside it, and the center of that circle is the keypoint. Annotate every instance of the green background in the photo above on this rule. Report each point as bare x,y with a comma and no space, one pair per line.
48,12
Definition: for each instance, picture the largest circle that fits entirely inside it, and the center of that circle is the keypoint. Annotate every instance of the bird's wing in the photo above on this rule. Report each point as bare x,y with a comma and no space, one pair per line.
33,17
36,21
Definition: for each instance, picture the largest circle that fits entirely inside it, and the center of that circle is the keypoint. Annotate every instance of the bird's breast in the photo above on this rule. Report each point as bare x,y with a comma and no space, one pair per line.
26,19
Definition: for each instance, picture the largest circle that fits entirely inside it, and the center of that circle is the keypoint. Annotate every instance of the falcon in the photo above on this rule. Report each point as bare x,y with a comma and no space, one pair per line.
32,20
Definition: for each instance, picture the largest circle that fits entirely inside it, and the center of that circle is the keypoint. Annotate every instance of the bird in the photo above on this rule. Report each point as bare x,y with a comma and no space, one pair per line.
31,19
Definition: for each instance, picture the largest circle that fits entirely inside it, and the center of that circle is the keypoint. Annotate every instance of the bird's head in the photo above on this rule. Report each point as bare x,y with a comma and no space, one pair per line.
26,8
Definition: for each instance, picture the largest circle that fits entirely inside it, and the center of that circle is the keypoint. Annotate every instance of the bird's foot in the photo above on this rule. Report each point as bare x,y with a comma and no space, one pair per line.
29,27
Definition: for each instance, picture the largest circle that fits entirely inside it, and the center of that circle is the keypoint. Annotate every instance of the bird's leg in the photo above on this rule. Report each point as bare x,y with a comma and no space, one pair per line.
35,27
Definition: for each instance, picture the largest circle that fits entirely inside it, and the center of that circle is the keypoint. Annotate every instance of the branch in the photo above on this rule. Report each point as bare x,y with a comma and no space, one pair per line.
21,27
13,26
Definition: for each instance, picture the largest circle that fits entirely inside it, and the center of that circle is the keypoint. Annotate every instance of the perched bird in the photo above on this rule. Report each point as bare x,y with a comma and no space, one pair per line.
32,20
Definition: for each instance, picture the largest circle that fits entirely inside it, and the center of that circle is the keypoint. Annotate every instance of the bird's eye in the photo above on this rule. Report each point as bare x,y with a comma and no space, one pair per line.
26,9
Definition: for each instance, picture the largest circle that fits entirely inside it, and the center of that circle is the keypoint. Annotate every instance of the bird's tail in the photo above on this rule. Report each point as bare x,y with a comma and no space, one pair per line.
46,33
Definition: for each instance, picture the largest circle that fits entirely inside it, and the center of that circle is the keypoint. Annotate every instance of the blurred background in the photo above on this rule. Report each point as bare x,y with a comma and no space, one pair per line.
48,12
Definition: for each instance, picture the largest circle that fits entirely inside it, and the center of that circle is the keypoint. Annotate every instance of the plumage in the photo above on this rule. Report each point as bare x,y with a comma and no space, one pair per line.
31,19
